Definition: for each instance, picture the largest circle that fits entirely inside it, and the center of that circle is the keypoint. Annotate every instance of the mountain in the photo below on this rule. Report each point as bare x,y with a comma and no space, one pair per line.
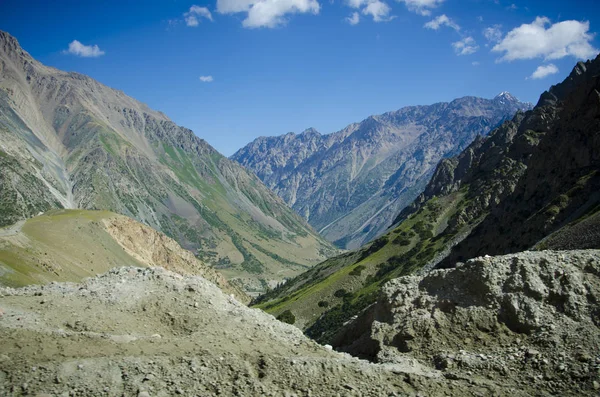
350,184
532,183
561,185
70,245
67,141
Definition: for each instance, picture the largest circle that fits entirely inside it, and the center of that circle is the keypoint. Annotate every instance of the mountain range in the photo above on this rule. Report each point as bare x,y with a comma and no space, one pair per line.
532,183
67,141
350,184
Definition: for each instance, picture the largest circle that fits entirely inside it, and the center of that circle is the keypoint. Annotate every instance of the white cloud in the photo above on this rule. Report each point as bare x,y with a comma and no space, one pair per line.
475,63
81,50
538,40
206,79
466,46
379,10
544,71
440,21
267,13
493,34
422,7
192,16
353,19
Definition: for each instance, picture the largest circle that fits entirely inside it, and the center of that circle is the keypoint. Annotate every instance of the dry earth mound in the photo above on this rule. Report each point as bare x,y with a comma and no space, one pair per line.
151,332
528,320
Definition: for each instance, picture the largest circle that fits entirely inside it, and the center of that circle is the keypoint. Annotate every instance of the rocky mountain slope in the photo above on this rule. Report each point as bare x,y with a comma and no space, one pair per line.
150,332
561,185
502,194
70,245
527,316
67,141
350,184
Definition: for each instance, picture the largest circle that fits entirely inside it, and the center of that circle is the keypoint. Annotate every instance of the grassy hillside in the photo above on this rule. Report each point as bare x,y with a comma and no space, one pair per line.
325,297
69,245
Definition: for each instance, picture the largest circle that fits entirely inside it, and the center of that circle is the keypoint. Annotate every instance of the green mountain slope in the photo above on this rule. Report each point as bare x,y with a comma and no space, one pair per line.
75,143
474,202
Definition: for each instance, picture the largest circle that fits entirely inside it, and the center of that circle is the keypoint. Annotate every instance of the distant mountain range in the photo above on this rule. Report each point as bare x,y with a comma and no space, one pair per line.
67,141
350,185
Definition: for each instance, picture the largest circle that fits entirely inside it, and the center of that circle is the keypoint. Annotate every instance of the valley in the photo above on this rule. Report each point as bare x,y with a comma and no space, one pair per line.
450,249
350,184
471,197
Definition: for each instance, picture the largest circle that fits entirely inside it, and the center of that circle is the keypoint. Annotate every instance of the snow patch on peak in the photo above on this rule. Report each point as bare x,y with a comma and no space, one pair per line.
506,95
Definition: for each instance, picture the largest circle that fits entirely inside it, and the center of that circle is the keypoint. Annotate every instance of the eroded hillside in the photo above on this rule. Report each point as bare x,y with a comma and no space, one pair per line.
70,245
150,332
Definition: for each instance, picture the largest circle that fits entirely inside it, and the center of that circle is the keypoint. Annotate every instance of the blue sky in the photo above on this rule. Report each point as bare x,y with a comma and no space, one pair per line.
274,66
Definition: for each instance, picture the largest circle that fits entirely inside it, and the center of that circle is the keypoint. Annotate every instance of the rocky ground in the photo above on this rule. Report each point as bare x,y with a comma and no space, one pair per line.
150,332
529,321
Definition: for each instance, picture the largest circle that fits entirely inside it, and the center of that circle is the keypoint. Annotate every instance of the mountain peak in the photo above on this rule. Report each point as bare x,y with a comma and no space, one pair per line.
310,131
9,44
505,95
581,72
6,37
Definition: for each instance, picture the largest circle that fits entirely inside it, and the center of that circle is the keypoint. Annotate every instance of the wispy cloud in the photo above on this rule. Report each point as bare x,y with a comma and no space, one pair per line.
493,34
377,9
267,13
206,79
82,50
466,46
541,39
195,14
353,19
440,21
422,7
544,71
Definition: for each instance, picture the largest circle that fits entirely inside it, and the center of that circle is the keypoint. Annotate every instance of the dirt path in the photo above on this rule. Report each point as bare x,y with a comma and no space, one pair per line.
12,229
